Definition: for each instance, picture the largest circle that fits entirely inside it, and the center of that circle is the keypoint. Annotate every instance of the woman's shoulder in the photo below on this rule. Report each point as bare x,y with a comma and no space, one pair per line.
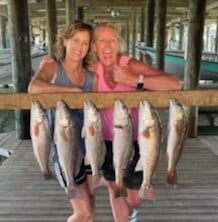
48,70
48,63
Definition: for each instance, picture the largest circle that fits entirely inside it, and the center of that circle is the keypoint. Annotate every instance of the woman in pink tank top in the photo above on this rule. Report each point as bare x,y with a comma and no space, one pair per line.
118,72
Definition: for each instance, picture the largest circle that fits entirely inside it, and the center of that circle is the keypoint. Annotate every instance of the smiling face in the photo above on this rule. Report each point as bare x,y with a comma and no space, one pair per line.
106,45
77,46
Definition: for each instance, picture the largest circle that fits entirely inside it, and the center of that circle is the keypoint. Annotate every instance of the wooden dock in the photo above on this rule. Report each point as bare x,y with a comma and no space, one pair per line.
25,196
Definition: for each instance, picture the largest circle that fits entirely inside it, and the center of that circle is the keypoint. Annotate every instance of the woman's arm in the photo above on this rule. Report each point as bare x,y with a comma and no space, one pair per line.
154,79
42,82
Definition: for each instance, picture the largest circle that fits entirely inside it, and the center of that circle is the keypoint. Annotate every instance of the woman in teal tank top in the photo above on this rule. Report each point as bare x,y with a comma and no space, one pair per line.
68,73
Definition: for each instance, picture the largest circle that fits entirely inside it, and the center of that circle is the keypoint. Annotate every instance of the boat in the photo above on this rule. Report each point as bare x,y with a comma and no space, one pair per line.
175,62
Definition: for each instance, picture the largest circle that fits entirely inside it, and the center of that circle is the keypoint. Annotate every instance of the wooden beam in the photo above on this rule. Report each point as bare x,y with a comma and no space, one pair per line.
14,101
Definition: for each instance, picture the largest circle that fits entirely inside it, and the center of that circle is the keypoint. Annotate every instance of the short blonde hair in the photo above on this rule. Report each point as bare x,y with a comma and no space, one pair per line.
122,44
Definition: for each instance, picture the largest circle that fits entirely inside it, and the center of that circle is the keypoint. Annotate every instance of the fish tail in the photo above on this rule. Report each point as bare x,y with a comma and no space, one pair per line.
147,192
120,191
96,180
49,175
73,192
171,177
99,180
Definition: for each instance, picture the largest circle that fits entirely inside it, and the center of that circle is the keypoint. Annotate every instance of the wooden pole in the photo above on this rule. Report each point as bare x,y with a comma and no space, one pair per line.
149,23
70,11
20,58
80,13
142,26
216,38
128,35
51,25
181,35
194,51
133,33
161,6
3,21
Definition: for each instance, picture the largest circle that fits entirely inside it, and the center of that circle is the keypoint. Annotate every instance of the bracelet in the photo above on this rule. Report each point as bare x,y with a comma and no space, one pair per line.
140,84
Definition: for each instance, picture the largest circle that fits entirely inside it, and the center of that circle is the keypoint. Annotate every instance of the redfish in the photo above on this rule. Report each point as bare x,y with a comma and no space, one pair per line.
123,148
94,142
66,138
149,140
177,133
41,138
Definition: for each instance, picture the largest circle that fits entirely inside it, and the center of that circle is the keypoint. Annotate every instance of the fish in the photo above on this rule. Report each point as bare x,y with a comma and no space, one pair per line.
95,146
41,138
177,134
66,138
149,141
123,145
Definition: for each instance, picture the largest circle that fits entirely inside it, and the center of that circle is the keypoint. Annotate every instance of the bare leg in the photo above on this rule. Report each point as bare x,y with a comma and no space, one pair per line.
83,208
123,207
120,207
133,199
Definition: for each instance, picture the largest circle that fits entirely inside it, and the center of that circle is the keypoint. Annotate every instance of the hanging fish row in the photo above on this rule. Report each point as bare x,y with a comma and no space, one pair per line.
67,140
150,140
66,137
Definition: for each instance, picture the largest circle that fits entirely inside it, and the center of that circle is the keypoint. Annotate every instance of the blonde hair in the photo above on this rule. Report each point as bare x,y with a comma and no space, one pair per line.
122,44
69,32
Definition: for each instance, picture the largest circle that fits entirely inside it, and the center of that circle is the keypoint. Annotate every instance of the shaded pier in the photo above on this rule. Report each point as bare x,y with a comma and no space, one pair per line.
25,196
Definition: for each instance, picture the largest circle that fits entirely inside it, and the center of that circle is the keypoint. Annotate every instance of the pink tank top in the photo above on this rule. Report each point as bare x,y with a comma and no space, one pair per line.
107,113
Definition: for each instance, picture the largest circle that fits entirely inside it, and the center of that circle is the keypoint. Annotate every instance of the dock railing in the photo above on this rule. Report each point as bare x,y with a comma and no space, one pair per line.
22,101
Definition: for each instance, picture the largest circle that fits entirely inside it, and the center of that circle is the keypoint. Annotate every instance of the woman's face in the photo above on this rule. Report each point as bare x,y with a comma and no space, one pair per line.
106,45
77,46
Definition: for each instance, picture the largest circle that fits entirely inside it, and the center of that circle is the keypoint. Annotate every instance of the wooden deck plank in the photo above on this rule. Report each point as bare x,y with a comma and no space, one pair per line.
25,196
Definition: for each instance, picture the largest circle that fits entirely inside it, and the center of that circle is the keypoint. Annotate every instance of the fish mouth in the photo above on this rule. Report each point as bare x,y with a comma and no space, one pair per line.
119,104
118,126
34,102
88,103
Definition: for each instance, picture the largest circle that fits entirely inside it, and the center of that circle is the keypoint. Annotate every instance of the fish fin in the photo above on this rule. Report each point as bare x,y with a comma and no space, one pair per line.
178,129
120,191
83,132
146,133
86,161
147,192
139,165
171,178
91,130
73,192
160,156
64,135
96,179
55,138
36,130
49,175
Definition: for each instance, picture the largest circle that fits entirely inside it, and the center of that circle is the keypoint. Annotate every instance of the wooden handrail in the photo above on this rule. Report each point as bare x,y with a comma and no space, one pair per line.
14,101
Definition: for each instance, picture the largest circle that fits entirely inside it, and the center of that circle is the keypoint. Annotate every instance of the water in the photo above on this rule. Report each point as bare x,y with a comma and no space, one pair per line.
7,122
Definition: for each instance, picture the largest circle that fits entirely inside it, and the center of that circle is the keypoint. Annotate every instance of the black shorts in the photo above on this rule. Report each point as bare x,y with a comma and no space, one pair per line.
132,178
79,179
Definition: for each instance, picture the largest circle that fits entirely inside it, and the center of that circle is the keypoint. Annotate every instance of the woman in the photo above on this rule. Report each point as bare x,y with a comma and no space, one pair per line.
68,73
118,72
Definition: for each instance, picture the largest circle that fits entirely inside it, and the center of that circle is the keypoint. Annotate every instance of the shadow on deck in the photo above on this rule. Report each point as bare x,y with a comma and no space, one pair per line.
25,196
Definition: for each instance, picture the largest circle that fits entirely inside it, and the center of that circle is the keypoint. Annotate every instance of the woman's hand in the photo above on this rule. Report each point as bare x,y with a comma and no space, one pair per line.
122,74
46,59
